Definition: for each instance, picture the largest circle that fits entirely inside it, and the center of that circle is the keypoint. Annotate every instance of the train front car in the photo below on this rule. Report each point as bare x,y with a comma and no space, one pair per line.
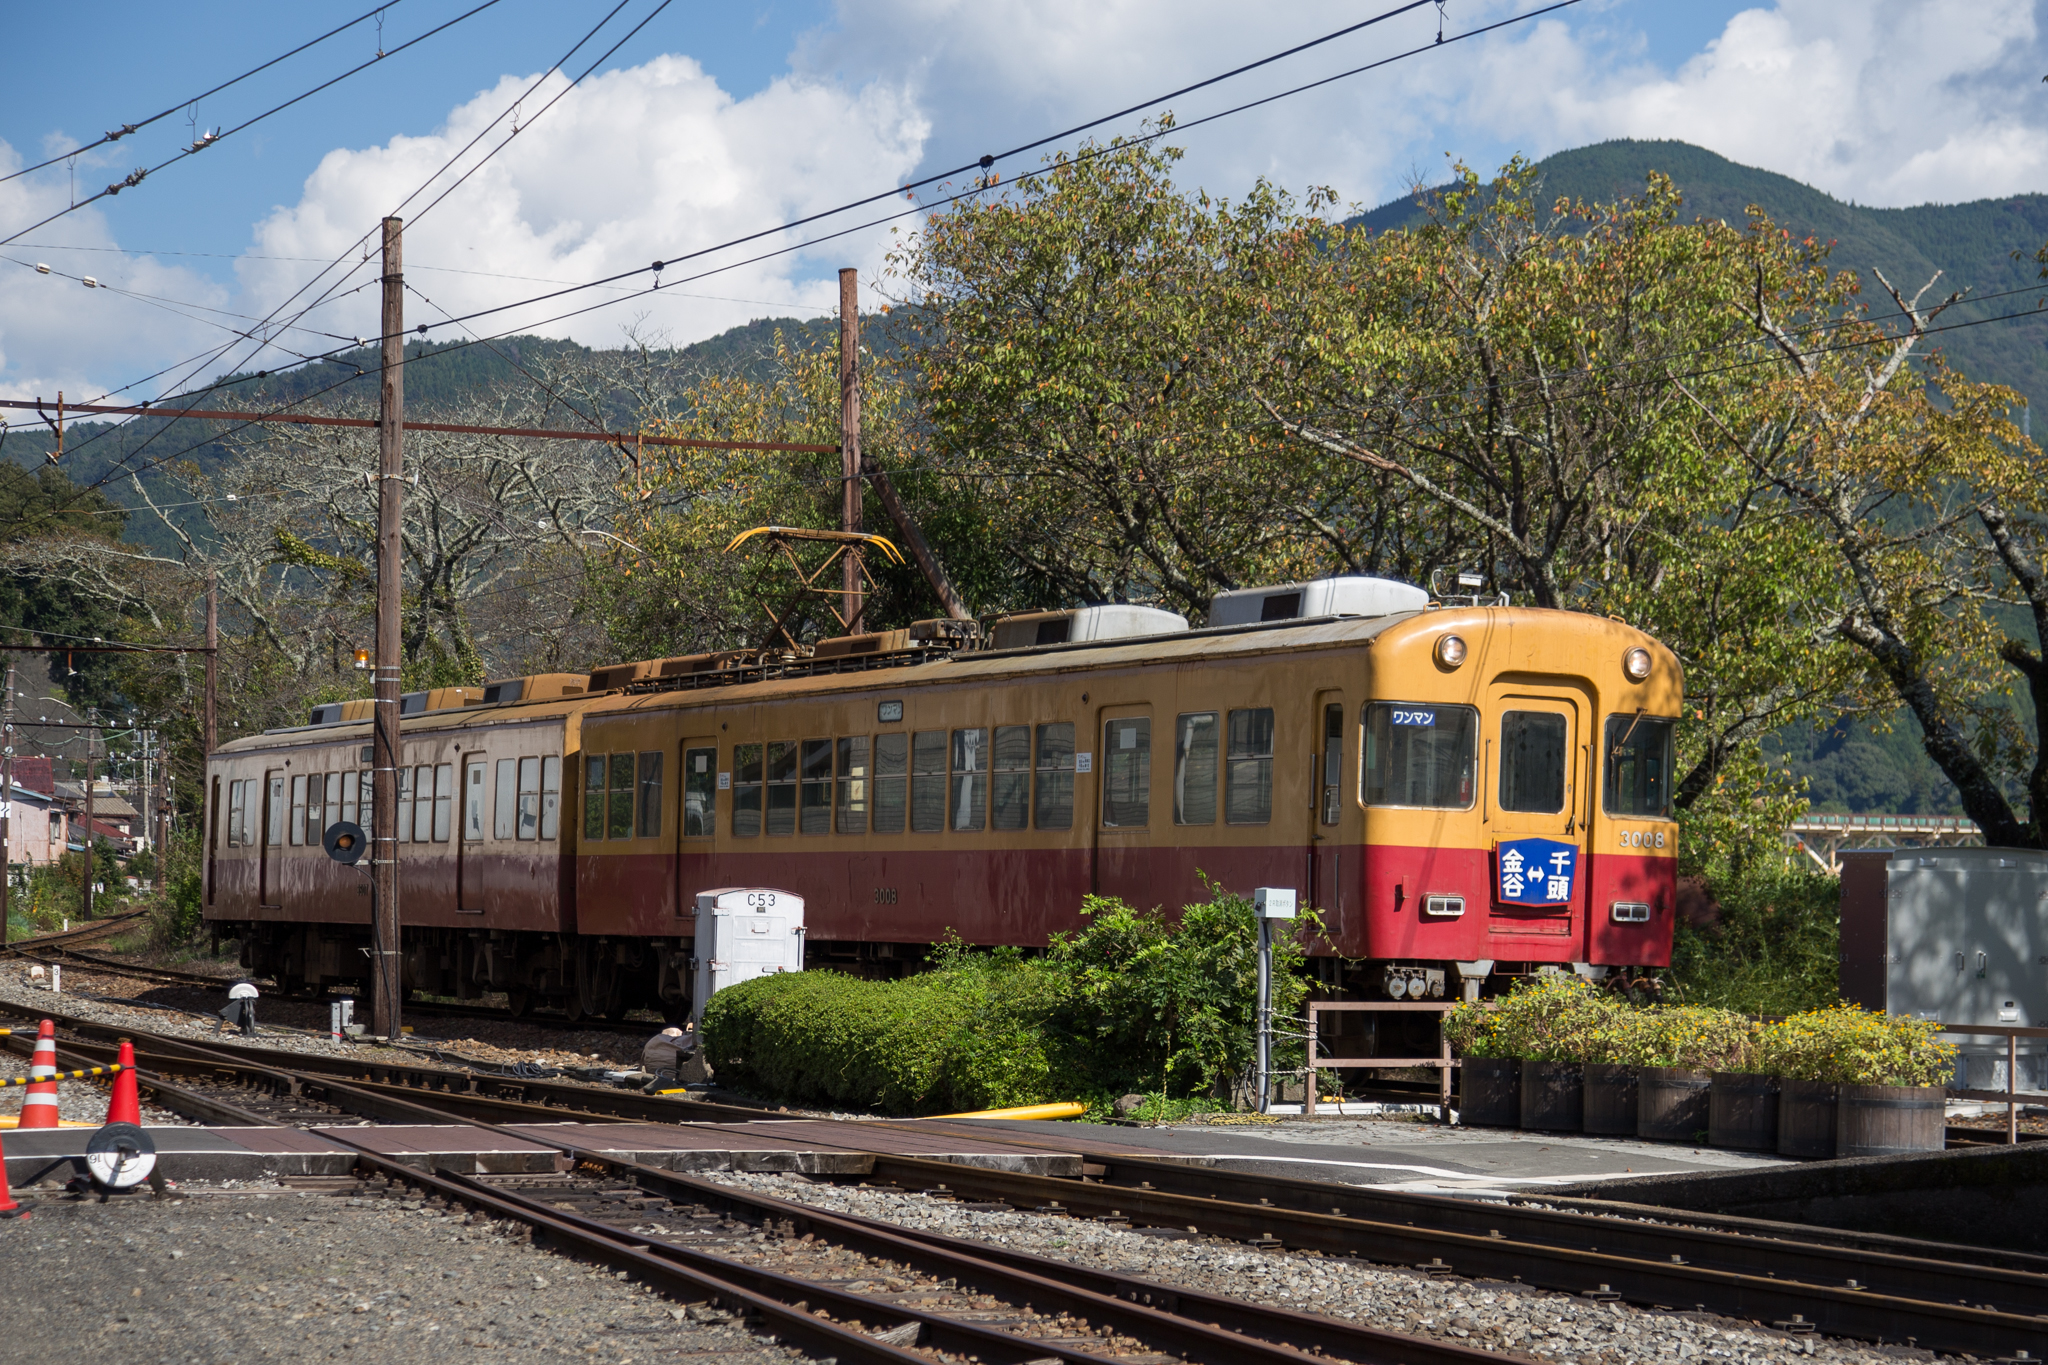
1515,789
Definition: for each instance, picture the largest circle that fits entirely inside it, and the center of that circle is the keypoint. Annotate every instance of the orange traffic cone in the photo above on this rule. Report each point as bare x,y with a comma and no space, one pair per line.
39,1106
8,1207
125,1106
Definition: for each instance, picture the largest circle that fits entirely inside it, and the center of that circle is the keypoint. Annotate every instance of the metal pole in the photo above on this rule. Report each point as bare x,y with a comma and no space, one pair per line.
163,812
1265,1010
384,976
212,659
91,861
849,441
6,800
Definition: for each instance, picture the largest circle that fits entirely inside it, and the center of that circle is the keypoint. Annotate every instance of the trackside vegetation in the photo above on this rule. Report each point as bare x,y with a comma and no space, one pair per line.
1135,1002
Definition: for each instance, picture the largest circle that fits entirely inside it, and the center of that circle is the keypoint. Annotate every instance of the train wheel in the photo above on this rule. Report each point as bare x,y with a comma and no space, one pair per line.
572,1006
518,1003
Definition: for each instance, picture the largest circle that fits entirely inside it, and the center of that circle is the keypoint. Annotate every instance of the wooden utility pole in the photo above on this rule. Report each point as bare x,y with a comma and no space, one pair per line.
849,441
92,862
384,937
6,802
212,660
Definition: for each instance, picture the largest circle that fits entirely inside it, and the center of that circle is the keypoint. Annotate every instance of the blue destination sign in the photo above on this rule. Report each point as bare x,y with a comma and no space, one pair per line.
1535,871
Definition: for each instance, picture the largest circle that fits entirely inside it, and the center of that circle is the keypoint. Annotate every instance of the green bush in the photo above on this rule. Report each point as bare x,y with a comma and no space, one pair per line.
1134,1001
1776,947
1853,1046
1550,1018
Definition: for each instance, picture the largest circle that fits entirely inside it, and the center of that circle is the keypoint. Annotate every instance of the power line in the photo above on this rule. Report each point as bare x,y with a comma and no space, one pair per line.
125,129
136,177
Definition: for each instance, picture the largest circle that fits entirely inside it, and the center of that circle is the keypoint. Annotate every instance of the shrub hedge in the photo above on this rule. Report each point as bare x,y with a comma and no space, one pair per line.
1136,1001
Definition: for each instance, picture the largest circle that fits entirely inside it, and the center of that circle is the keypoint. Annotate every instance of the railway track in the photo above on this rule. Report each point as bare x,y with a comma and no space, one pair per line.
90,932
434,1009
1797,1279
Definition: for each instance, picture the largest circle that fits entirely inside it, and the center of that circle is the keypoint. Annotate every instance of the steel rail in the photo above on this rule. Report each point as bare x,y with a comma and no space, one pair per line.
84,933
1836,1310
1097,1295
1933,1274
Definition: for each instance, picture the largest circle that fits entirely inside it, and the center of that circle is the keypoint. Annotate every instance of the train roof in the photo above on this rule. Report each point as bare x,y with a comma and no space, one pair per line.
937,668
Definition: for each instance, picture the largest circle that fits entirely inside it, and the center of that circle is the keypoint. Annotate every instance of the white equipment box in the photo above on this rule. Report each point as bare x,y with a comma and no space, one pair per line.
744,932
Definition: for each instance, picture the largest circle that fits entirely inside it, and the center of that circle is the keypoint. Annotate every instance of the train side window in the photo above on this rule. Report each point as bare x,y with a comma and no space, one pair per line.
1053,803
1194,769
892,782
1417,755
347,783
275,812
618,822
1532,761
423,804
238,806
928,781
650,794
505,799
1010,778
298,816
405,805
473,775
746,790
593,796
366,798
551,796
526,823
1333,762
782,757
444,801
853,785
316,808
815,790
700,792
334,807
970,779
1127,773
1639,767
1248,771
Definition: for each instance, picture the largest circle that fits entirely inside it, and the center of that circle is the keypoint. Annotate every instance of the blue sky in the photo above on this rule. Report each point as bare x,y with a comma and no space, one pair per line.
716,120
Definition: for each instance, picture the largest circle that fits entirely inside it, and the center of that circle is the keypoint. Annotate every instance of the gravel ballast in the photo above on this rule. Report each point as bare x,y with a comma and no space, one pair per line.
220,1278
1551,1327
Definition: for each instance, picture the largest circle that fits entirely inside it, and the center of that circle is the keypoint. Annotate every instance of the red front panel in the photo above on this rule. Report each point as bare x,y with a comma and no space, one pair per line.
1642,880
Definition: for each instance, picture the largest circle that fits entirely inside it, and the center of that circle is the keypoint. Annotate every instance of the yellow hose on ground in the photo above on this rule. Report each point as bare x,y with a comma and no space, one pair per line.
1066,1109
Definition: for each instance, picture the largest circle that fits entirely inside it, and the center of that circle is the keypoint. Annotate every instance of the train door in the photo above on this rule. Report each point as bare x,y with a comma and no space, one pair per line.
1326,806
1123,815
696,824
272,848
212,839
469,849
1535,791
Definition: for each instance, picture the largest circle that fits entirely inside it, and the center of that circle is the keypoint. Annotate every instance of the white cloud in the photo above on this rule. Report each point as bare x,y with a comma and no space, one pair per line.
640,164
1893,102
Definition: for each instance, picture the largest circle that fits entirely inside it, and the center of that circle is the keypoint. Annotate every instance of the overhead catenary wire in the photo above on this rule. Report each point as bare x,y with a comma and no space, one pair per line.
138,125
137,177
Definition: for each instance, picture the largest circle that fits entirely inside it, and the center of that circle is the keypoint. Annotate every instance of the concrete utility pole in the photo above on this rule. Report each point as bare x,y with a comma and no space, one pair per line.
212,658
91,862
163,811
849,441
6,801
384,937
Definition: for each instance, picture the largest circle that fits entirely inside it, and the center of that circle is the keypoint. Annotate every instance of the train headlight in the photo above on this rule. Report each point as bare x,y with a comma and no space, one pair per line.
1636,663
1450,651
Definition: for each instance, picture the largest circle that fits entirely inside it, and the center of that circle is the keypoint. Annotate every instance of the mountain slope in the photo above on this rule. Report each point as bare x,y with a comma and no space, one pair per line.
1971,244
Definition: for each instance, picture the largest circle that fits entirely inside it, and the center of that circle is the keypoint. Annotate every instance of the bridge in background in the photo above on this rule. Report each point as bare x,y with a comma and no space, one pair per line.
1824,838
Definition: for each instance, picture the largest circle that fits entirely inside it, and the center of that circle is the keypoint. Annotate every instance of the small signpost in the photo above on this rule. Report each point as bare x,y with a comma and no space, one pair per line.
1269,903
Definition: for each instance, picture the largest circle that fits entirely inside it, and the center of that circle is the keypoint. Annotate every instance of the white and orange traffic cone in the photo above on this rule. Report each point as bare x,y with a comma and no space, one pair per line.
125,1104
39,1105
8,1207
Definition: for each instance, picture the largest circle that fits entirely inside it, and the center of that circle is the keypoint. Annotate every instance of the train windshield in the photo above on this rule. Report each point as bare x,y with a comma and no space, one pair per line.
1639,767
1418,755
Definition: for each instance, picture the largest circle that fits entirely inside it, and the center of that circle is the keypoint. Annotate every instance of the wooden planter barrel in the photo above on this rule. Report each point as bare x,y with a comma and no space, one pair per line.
1671,1103
1806,1118
1553,1095
1490,1092
1742,1111
1611,1099
1890,1120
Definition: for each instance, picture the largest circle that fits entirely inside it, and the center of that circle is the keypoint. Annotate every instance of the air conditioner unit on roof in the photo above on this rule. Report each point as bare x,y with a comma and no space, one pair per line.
1351,595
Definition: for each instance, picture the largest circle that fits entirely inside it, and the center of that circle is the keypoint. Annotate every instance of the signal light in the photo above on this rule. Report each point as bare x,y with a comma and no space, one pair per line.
362,658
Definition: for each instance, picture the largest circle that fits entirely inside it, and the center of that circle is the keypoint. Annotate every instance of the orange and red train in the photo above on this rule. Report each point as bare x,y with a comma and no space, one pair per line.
1461,791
